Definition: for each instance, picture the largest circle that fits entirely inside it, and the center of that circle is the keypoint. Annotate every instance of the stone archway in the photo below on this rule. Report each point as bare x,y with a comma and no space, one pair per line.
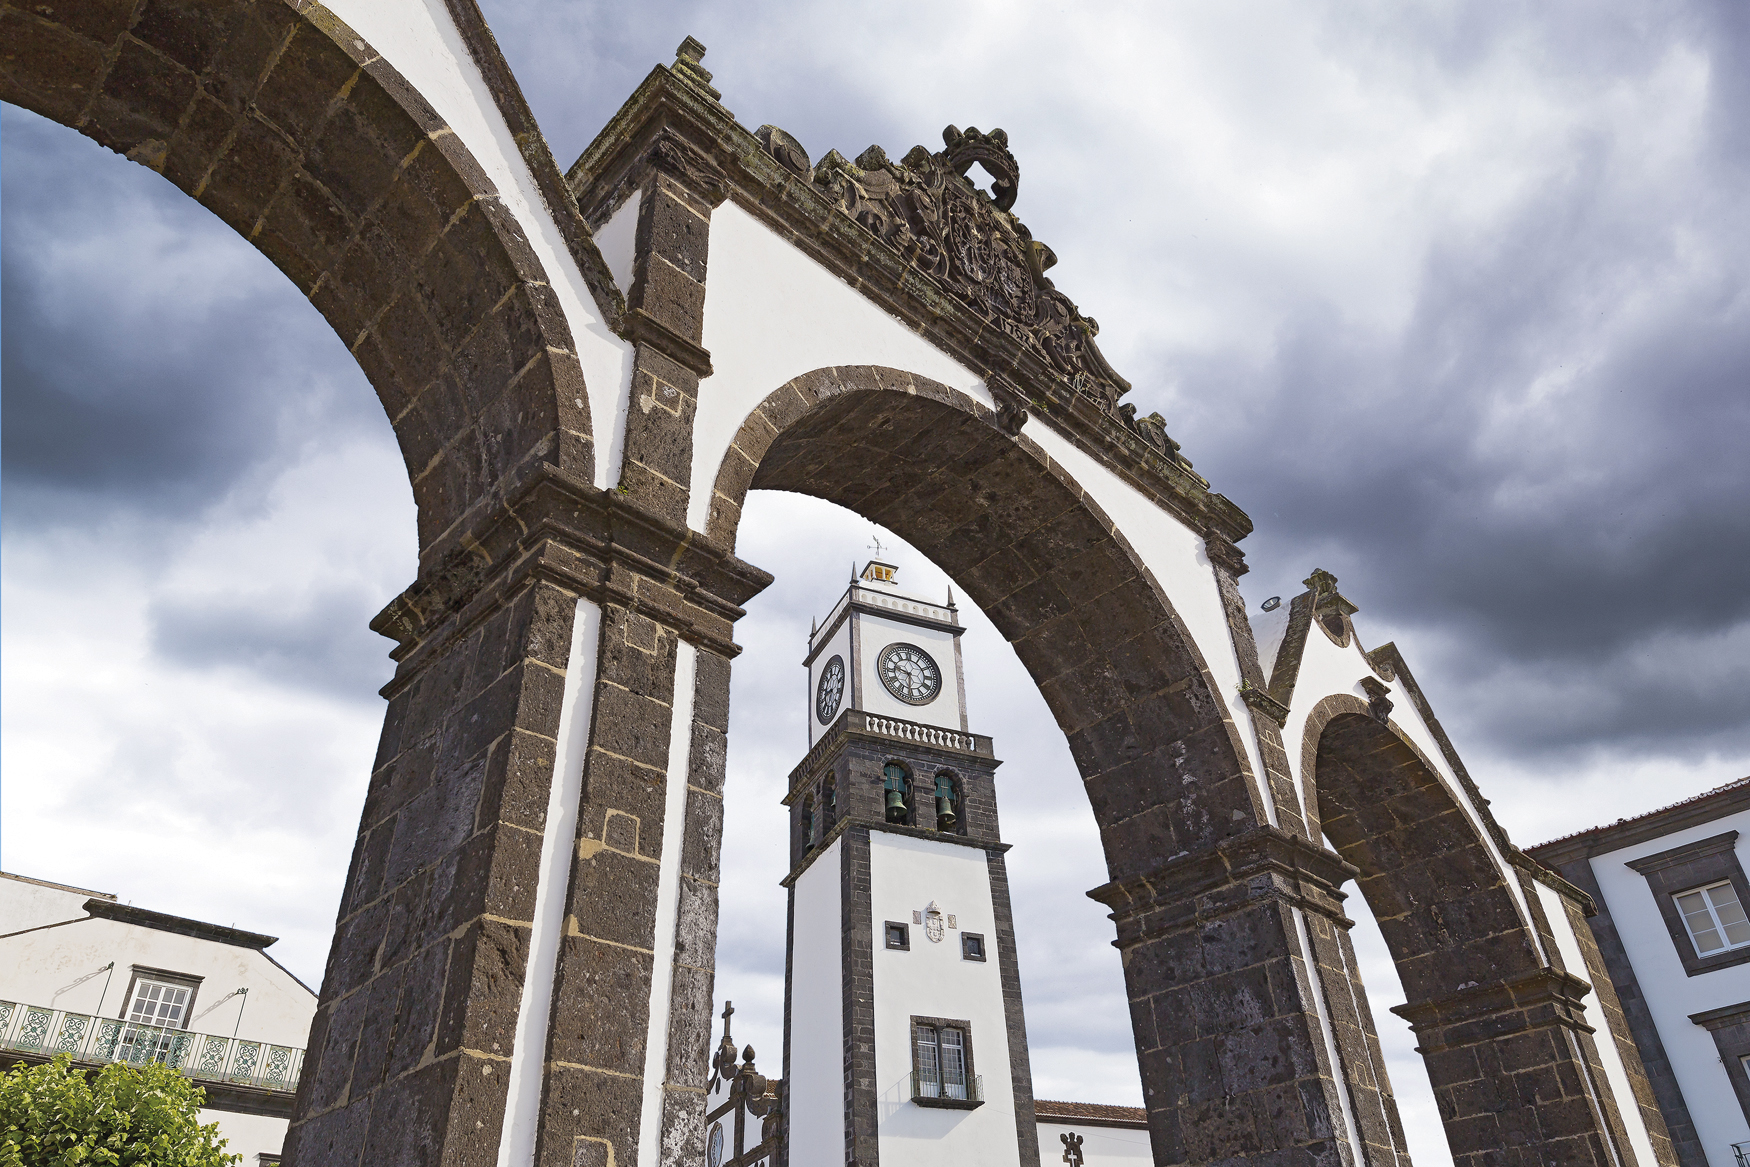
1223,1022
1503,1034
522,965
285,124
294,131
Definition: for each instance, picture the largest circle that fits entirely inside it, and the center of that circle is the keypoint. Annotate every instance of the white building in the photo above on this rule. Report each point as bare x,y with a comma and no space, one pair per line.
82,973
1671,897
905,1040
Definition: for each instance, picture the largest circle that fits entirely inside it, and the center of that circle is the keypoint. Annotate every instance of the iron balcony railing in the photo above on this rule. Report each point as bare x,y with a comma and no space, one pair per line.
34,1029
930,1088
1741,1152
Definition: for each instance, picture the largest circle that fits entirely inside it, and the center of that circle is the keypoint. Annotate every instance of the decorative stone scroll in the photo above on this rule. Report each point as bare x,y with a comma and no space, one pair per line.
974,246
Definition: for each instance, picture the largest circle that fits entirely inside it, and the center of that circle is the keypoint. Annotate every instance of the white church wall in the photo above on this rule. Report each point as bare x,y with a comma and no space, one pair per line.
31,903
816,1069
1568,945
419,38
1101,1146
1670,993
944,709
932,980
771,314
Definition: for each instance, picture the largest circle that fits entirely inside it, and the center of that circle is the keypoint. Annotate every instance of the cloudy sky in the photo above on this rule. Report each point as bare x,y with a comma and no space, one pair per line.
1453,300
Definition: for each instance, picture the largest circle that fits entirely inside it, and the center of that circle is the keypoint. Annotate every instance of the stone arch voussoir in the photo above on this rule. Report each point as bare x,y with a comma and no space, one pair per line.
283,122
1160,757
1442,901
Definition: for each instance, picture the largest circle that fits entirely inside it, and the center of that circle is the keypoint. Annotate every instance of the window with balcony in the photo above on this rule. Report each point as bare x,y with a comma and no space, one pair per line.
942,1072
156,1011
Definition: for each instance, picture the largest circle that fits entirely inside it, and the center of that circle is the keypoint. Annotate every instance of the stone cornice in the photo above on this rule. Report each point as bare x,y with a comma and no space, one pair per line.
598,543
989,846
1261,861
667,107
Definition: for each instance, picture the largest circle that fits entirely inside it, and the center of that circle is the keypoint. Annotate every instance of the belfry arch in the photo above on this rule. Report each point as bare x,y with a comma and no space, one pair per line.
586,372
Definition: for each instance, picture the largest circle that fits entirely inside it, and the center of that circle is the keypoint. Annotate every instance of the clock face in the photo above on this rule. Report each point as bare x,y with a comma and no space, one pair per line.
831,690
910,674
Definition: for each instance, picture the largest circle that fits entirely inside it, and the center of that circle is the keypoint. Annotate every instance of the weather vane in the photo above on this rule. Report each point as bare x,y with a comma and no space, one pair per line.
876,546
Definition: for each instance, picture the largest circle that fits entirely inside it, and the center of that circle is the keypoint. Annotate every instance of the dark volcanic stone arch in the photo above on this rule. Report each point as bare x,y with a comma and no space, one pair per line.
1507,1040
1160,759
280,120
1441,900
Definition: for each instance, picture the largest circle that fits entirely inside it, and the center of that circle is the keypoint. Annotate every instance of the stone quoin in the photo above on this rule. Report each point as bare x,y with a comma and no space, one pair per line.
587,371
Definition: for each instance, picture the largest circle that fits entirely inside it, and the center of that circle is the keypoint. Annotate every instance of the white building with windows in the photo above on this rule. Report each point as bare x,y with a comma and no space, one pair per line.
85,974
1671,895
905,1036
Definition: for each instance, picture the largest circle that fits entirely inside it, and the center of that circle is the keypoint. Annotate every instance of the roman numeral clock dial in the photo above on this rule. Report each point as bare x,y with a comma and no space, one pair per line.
910,674
832,689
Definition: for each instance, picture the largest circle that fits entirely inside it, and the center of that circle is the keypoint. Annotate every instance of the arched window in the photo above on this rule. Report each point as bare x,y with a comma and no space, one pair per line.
806,822
947,802
829,803
898,793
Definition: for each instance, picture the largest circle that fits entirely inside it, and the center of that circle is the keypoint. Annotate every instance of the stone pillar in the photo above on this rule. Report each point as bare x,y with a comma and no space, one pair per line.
1515,1071
1240,1053
484,992
414,1031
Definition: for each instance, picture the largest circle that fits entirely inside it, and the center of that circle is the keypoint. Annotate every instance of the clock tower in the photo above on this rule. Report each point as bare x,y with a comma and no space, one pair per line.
904,1039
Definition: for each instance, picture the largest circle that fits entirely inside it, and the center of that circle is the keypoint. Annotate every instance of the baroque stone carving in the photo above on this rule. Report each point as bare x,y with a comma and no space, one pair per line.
974,246
787,150
1378,703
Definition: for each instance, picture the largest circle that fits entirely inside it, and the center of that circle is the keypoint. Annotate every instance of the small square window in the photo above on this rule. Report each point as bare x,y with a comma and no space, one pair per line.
1714,917
897,936
971,946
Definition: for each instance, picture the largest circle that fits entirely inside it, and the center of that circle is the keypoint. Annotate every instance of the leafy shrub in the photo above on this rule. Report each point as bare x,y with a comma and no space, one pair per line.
124,1116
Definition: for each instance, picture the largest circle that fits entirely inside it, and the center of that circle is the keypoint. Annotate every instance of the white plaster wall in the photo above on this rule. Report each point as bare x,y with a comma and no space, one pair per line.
35,965
1102,1146
1268,629
1605,1038
420,40
1326,668
839,646
876,634
772,313
932,980
25,903
816,1062
248,1135
1671,995
618,241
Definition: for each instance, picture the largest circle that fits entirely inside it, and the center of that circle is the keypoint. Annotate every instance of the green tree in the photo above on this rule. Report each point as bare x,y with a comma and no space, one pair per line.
125,1116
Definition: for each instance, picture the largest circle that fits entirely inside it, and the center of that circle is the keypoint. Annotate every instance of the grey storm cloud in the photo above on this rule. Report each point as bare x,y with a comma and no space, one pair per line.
151,360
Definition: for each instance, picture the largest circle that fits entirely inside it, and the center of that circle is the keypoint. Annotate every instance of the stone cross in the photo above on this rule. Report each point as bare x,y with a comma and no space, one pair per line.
1072,1149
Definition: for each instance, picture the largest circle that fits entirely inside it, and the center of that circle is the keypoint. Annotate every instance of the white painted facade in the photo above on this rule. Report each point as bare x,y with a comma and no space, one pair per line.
1671,994
57,961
